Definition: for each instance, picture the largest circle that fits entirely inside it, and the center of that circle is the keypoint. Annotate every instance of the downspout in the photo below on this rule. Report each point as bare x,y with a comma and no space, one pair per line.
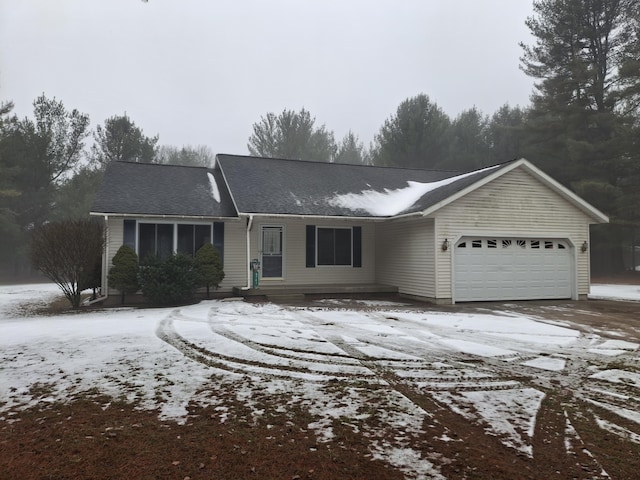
249,225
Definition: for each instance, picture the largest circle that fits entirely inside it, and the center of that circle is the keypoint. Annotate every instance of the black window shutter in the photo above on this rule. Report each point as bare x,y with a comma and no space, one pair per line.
218,238
129,236
357,246
311,246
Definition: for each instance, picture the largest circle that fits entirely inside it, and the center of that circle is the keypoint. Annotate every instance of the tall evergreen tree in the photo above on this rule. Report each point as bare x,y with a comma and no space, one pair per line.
74,197
506,134
9,227
37,155
416,136
583,121
469,147
292,135
120,139
576,121
351,150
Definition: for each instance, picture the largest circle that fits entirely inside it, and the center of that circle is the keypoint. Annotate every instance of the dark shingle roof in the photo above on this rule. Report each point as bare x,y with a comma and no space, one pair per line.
151,189
296,187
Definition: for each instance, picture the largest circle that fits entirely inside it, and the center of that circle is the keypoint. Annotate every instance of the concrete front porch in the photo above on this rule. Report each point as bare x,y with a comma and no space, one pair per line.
299,291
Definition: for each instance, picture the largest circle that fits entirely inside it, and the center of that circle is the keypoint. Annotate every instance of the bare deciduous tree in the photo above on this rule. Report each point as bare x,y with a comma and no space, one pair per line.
66,252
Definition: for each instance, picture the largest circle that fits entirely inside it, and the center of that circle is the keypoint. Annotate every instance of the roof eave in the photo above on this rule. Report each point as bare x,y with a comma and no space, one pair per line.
311,216
162,215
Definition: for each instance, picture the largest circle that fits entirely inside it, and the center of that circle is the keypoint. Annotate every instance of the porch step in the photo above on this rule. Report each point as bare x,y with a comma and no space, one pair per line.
301,290
286,297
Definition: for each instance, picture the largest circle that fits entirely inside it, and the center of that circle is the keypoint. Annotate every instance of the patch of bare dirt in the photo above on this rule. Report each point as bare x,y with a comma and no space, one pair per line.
98,438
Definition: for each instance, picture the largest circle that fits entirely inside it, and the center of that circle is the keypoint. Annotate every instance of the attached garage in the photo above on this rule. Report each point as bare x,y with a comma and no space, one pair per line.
491,268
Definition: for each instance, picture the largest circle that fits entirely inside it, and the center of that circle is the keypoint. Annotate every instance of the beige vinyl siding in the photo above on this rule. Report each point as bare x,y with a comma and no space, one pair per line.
235,256
514,205
235,252
405,256
115,233
295,271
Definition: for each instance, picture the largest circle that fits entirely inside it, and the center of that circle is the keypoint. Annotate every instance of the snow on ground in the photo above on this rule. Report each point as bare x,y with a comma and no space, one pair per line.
615,292
167,358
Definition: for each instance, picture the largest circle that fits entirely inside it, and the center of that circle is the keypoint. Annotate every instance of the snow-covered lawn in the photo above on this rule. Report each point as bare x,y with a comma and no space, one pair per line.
615,292
492,367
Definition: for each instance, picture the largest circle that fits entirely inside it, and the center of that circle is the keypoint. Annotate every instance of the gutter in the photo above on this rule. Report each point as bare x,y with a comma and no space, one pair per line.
148,215
311,217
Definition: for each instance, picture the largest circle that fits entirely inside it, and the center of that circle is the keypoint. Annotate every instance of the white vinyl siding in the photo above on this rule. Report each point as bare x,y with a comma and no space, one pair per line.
235,256
405,256
514,205
294,267
115,232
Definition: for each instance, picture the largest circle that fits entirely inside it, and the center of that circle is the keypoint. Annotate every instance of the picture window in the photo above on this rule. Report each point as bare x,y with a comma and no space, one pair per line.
334,246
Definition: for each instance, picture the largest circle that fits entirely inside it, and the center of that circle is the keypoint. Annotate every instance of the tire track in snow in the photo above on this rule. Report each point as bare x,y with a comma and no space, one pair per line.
167,332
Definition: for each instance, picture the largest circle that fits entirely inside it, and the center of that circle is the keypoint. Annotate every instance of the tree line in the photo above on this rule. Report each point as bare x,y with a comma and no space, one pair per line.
581,127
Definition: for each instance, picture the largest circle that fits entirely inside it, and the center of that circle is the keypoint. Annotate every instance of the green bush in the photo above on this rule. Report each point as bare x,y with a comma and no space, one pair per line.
123,275
171,281
209,266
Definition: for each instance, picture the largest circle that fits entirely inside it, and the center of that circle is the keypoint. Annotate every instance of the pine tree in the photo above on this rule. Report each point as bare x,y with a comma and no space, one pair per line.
209,266
292,135
576,119
123,275
416,136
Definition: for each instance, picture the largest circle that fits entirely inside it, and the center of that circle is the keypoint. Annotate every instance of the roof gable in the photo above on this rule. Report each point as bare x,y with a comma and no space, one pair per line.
158,190
545,179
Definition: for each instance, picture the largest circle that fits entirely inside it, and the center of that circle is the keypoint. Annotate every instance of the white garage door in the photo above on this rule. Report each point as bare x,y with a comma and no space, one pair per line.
512,269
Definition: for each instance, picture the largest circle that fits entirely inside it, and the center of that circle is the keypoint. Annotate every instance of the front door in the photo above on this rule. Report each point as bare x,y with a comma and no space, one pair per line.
272,237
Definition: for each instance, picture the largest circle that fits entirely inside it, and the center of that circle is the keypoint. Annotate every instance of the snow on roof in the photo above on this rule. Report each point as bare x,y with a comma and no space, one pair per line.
393,202
215,193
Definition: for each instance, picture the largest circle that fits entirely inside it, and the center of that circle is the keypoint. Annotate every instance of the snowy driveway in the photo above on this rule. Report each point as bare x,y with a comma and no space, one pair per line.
492,368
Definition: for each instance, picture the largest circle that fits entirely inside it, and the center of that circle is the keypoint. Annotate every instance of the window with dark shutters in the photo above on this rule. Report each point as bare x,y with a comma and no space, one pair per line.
311,246
329,246
218,238
129,237
357,247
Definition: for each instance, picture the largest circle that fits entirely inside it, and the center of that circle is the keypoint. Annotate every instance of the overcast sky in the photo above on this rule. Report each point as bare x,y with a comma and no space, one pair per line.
203,71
